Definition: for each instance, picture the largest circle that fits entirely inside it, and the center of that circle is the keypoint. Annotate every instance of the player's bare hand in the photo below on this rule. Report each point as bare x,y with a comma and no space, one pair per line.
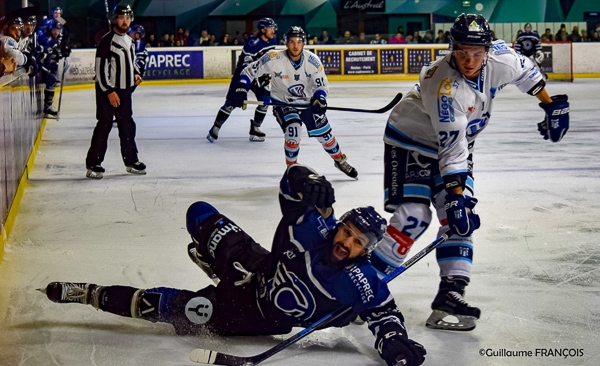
114,100
138,80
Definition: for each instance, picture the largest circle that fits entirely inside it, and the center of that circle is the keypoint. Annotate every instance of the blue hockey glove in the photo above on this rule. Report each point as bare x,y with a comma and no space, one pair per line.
239,96
459,212
318,103
394,347
556,123
317,192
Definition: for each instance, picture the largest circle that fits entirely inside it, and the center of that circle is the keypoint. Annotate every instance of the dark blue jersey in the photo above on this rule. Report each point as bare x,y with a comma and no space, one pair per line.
528,43
141,56
303,285
254,48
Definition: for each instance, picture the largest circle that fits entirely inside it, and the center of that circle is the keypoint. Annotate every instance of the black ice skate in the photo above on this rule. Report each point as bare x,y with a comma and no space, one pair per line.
70,292
450,310
346,168
197,258
50,112
256,134
95,172
136,168
213,134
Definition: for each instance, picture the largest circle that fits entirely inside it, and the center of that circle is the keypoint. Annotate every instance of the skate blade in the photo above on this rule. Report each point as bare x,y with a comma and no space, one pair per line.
135,171
446,321
94,175
256,138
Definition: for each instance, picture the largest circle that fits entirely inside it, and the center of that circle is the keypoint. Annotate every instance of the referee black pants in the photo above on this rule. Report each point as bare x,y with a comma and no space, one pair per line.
123,114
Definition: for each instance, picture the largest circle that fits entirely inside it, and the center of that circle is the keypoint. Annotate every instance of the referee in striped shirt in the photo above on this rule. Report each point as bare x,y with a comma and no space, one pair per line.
116,76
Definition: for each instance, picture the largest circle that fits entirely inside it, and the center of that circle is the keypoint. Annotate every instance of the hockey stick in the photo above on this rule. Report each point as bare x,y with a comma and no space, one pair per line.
389,106
206,356
62,83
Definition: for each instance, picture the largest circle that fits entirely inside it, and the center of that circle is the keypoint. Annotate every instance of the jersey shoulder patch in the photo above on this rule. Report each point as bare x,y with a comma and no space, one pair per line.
313,60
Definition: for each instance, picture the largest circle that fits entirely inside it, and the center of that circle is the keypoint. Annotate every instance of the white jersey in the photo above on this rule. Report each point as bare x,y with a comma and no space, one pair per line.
10,48
441,117
291,82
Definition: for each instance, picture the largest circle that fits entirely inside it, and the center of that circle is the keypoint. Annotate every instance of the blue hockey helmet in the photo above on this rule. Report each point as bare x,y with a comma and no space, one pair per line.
123,10
369,222
295,31
471,30
264,23
55,24
137,29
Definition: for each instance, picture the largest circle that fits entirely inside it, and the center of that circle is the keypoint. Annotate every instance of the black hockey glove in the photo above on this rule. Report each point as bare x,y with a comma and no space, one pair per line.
31,65
556,123
317,192
459,212
318,103
396,349
239,96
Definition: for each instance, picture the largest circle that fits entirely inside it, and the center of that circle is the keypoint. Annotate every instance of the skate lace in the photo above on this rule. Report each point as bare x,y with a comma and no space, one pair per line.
458,297
73,292
344,166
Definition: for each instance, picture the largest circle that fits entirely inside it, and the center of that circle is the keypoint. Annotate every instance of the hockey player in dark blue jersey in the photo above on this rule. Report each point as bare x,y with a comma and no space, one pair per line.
254,48
316,265
137,33
529,44
51,43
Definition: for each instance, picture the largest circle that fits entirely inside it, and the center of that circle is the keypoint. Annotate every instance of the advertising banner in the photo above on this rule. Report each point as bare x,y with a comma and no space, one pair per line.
392,61
417,59
360,62
331,60
80,67
546,62
186,63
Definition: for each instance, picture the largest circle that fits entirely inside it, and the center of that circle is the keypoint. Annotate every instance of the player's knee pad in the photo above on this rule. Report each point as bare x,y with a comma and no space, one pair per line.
227,108
406,225
197,213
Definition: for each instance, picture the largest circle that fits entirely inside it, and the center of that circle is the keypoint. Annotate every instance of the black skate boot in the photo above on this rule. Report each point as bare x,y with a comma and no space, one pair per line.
70,292
256,134
197,258
95,171
346,168
449,302
136,168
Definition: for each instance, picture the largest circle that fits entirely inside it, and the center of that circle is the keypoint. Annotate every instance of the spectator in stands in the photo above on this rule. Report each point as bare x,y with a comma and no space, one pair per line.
165,41
204,39
180,37
562,36
400,30
416,36
236,42
378,39
548,35
188,36
152,42
315,39
410,39
362,39
558,36
398,38
348,38
595,37
427,38
212,40
584,36
225,40
574,36
172,39
440,37
324,38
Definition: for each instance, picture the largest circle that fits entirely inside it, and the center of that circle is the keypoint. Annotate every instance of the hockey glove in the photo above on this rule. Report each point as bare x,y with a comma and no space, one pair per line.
318,103
317,192
459,212
556,123
239,96
31,65
395,347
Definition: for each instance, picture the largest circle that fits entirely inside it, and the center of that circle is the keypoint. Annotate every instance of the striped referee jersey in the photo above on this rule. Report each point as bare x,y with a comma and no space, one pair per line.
115,62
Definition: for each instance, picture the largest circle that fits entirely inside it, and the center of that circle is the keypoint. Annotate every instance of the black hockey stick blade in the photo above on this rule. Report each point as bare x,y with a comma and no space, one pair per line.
217,358
389,106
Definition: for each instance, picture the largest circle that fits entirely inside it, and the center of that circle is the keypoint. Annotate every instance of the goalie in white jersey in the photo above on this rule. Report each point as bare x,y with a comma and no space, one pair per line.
429,141
299,93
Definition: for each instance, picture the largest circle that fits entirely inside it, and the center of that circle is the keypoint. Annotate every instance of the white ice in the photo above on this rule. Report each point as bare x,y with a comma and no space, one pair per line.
537,255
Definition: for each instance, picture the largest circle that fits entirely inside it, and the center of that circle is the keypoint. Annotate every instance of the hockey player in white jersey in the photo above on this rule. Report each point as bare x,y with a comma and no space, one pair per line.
299,81
429,141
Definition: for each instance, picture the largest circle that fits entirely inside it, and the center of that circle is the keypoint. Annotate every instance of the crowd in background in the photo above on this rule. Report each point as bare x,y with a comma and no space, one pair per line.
565,36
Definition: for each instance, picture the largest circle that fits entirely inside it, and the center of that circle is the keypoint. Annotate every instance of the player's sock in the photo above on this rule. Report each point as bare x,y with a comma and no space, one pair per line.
450,310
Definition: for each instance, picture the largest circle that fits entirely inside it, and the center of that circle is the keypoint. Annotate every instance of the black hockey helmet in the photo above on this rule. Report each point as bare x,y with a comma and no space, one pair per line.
295,31
264,23
10,23
471,30
137,29
123,10
32,19
369,222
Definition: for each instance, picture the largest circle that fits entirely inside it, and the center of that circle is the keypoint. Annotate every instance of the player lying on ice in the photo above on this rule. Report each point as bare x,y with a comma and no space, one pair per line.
317,265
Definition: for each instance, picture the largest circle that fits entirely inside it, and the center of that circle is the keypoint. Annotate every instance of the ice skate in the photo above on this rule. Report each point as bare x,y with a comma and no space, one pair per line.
70,292
450,310
197,258
213,134
50,112
136,168
346,168
95,172
256,134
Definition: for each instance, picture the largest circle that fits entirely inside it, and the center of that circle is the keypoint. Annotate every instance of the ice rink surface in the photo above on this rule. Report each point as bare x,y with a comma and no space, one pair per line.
536,273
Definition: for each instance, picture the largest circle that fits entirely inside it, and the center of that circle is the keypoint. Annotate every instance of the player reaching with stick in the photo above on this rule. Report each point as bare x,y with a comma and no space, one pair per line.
429,141
317,264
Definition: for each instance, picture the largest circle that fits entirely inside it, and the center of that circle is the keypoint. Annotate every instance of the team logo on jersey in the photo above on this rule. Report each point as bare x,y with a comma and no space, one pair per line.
279,75
445,108
297,90
199,310
296,77
430,72
290,294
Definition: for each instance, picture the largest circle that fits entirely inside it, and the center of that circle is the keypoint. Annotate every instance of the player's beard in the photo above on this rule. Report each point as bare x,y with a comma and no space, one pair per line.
121,29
